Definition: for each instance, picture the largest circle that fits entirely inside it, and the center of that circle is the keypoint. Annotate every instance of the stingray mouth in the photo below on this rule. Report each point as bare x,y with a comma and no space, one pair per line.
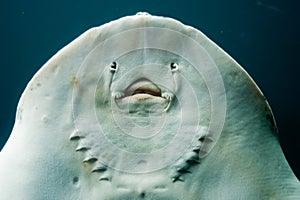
147,90
143,88
143,93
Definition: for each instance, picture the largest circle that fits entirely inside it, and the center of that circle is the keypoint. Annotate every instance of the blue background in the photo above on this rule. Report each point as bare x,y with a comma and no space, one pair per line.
263,36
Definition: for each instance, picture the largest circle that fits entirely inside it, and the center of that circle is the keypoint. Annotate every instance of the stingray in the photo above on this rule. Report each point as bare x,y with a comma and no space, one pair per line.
144,107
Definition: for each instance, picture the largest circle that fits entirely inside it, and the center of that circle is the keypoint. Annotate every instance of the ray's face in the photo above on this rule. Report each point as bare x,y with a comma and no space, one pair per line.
144,81
144,110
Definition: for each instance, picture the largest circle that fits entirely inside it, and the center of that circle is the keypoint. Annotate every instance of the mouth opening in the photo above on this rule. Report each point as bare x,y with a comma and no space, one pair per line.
143,87
145,90
144,95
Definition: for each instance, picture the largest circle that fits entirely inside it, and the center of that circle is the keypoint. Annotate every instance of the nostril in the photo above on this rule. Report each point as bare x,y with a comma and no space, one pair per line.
113,67
174,67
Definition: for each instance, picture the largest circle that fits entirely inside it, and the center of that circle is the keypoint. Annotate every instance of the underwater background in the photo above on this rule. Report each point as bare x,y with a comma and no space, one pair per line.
261,35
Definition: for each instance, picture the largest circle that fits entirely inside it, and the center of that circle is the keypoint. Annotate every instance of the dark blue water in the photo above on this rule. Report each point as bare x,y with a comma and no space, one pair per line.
263,36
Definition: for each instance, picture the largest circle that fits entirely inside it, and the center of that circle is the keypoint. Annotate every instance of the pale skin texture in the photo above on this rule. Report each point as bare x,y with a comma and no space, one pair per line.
56,152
